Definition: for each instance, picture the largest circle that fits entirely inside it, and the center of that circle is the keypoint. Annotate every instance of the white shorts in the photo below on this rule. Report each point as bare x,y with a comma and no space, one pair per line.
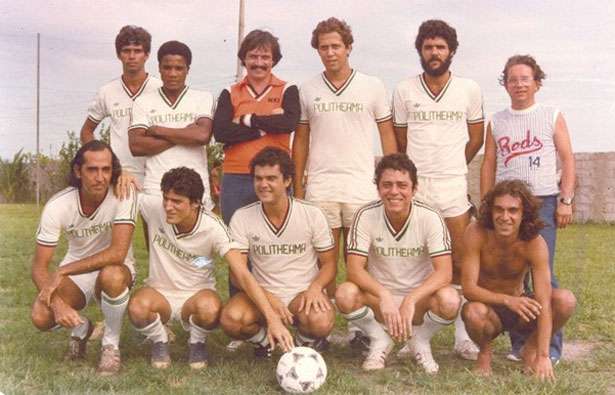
447,195
87,282
339,215
176,300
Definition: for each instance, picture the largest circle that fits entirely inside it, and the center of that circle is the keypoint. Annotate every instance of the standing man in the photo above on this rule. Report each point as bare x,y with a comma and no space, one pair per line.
399,268
99,261
525,142
293,258
173,124
261,110
501,249
439,122
342,110
114,100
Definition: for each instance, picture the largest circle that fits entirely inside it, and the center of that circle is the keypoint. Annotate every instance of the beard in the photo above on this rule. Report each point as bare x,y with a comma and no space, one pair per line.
438,71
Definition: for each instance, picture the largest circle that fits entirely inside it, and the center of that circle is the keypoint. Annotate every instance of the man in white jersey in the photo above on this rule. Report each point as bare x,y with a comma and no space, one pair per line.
438,120
173,124
399,268
114,99
184,241
525,142
293,258
99,261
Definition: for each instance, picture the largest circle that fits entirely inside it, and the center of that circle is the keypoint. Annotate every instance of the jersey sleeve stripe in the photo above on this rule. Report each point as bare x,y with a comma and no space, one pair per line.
400,125
304,122
124,221
384,119
138,126
47,243
357,252
208,116
96,121
440,253
323,249
474,121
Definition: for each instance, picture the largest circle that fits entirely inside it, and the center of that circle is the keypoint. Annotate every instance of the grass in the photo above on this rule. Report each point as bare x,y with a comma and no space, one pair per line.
31,362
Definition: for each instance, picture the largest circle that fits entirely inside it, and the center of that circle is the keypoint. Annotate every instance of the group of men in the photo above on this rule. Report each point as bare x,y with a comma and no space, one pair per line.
286,207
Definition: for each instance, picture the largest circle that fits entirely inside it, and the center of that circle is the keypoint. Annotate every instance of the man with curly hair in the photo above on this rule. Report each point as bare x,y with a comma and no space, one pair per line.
438,118
525,142
501,248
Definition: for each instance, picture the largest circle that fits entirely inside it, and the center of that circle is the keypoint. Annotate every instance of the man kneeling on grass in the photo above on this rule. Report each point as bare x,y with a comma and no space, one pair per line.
399,269
500,250
99,262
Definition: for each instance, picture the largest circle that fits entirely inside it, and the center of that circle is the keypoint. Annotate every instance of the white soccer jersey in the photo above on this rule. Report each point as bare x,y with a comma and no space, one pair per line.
156,109
437,125
182,261
285,260
114,100
86,235
343,125
525,148
400,261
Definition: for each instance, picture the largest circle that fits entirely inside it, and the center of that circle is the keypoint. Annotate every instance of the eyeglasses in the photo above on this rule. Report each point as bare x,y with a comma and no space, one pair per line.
519,81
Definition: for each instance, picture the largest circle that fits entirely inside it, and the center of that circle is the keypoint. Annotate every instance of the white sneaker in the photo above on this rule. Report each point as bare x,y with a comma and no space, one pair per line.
378,353
467,350
421,353
234,345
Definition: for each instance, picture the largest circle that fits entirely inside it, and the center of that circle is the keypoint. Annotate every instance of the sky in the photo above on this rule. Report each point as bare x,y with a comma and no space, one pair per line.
571,40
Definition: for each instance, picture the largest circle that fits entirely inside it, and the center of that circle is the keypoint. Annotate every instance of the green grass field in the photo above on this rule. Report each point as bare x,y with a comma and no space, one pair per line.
31,362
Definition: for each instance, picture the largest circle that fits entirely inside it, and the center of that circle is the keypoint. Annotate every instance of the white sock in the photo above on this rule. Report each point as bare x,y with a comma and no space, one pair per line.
197,334
82,329
365,320
155,331
260,338
432,323
113,309
304,340
461,334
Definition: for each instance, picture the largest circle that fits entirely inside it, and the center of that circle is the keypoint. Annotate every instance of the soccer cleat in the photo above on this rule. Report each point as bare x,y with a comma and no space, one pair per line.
359,341
77,347
160,355
467,350
110,361
234,345
514,356
377,356
421,353
262,352
197,355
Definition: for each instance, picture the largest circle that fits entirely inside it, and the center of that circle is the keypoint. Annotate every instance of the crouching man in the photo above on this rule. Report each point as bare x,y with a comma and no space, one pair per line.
99,262
184,238
501,248
399,269
293,258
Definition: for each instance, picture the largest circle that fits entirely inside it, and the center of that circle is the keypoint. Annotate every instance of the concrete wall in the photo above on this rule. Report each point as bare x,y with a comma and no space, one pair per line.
595,191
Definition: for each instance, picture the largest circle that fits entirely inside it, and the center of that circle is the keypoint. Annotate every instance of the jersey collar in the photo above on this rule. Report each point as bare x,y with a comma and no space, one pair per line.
397,235
278,231
139,91
168,102
433,97
338,91
180,235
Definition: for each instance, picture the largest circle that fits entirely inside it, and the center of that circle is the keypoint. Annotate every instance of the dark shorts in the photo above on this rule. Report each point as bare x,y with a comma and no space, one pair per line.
511,321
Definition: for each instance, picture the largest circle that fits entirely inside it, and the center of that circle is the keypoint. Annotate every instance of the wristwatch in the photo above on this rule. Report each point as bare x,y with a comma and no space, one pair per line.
566,200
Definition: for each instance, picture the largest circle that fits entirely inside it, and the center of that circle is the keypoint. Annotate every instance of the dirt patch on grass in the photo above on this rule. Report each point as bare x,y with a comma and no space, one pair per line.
578,350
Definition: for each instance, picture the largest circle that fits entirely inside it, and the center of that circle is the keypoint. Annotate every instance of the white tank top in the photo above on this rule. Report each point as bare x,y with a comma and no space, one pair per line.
525,148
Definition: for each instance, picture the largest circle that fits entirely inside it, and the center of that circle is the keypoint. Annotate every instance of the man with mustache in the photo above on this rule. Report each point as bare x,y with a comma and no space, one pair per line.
259,111
525,142
438,120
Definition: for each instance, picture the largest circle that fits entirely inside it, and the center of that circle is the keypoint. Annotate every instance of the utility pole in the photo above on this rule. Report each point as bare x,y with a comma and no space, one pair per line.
38,123
242,9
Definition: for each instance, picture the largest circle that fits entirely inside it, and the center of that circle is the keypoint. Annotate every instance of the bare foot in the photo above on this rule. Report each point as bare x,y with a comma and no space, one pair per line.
483,363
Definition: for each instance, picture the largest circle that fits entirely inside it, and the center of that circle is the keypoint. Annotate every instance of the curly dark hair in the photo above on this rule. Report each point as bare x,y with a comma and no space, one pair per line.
183,181
79,160
436,28
133,35
531,223
271,156
527,60
397,161
260,39
175,48
332,25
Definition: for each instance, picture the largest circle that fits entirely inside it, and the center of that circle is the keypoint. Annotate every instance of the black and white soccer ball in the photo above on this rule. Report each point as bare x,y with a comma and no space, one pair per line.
301,370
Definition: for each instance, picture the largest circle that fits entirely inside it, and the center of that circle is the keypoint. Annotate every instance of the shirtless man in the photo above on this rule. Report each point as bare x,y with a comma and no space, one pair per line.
501,247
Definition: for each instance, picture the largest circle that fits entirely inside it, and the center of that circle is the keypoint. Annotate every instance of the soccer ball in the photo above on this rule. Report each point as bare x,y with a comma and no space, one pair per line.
301,370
